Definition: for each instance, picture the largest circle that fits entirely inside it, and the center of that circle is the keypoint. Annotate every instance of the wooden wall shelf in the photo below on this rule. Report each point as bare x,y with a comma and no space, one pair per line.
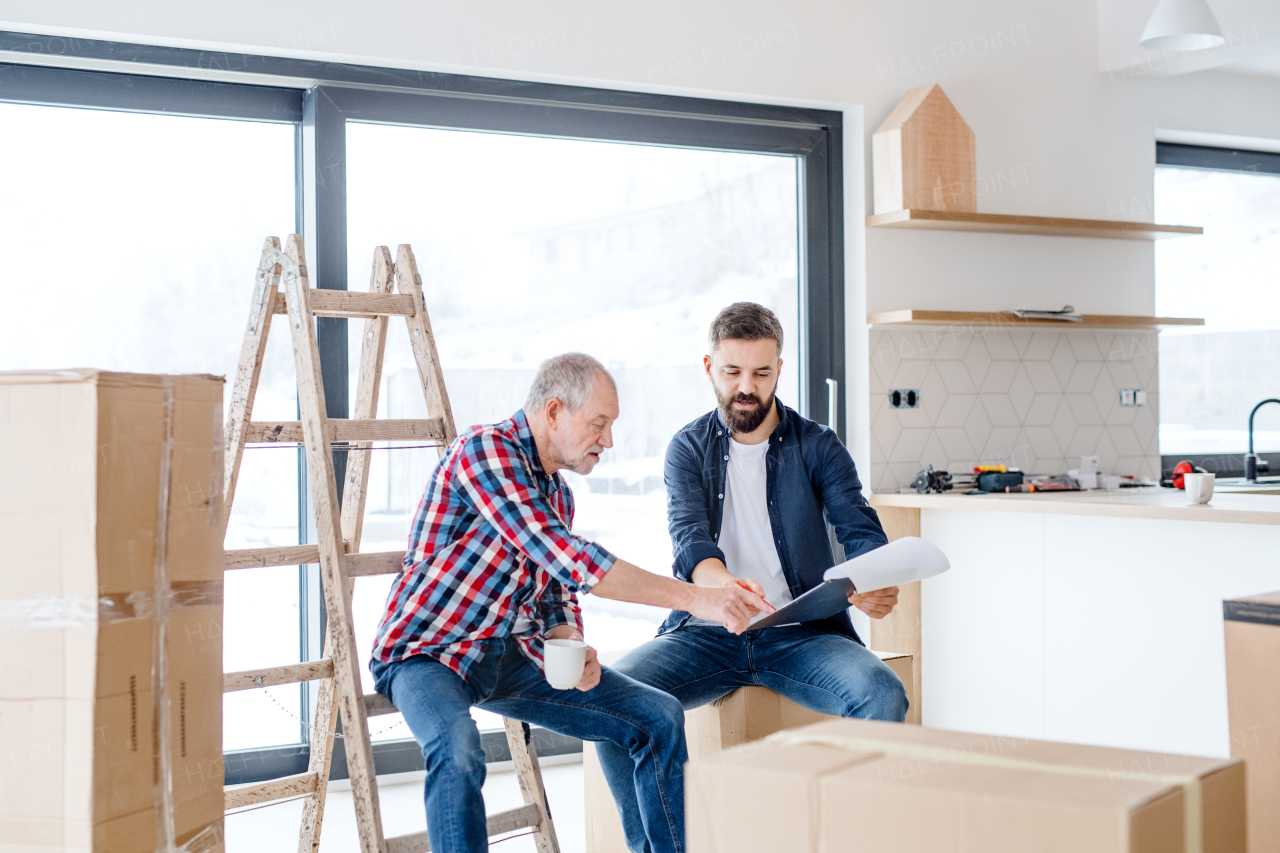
913,317
947,220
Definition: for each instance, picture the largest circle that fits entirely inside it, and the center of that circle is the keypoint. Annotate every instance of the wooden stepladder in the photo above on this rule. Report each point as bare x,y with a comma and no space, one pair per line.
338,528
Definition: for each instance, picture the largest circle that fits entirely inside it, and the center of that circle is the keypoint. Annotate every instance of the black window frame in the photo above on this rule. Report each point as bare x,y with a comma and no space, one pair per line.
1205,157
1209,158
320,97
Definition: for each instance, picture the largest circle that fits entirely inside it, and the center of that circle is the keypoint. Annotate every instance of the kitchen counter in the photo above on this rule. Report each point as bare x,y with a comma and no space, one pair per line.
1151,502
1086,617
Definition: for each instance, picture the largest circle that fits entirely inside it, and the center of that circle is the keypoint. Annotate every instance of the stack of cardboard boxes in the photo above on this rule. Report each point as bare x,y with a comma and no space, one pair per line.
854,785
110,612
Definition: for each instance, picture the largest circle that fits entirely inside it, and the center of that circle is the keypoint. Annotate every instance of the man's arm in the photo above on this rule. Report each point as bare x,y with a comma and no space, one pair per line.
688,518
491,475
500,488
732,605
856,523
558,607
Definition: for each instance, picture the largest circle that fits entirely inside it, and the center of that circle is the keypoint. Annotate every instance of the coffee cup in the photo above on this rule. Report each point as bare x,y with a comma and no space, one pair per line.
1199,487
563,662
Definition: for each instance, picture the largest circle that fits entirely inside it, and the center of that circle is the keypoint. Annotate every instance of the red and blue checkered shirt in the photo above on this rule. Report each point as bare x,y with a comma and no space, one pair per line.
490,548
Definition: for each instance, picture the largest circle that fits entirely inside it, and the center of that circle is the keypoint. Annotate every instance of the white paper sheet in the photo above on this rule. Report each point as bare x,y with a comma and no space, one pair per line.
902,561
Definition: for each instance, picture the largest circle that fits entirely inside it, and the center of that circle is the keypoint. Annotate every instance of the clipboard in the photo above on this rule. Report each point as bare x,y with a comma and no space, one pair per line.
903,560
823,601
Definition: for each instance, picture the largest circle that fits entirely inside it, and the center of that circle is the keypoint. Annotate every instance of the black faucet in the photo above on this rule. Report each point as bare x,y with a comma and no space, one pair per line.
1252,464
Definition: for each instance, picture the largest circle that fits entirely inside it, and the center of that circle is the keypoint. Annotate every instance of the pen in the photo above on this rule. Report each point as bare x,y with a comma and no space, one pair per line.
772,609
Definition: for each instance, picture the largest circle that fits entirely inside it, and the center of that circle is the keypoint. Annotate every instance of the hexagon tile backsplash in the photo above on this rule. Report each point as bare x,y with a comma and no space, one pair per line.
1035,399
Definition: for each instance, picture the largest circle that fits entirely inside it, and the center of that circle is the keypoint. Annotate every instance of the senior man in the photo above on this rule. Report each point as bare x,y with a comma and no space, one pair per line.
750,486
491,572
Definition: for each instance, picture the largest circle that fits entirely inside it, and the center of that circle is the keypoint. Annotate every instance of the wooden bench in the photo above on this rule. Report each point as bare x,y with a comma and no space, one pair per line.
746,714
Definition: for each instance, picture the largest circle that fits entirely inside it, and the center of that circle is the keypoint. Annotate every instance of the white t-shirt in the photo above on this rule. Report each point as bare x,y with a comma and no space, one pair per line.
746,534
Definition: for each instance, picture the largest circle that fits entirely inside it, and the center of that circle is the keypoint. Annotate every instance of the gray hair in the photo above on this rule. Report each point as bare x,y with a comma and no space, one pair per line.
569,378
744,321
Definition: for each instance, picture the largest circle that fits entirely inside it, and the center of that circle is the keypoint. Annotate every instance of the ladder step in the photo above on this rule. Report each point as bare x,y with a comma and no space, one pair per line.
272,789
293,673
352,303
261,558
358,565
347,429
502,822
375,705
375,563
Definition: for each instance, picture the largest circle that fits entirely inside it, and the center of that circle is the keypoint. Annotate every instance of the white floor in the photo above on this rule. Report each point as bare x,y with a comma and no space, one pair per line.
274,828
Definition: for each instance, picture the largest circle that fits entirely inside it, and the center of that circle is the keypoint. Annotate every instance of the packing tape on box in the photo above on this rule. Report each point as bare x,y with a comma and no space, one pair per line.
168,597
83,611
145,605
1193,800
163,790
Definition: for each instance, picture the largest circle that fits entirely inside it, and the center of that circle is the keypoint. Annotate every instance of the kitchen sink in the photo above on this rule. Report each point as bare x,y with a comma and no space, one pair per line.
1234,485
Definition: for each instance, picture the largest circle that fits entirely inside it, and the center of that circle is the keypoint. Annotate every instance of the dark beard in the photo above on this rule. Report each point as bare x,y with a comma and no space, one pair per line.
744,422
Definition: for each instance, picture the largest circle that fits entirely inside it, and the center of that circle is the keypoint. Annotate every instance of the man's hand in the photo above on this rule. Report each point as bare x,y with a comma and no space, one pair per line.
729,604
877,604
590,671
753,585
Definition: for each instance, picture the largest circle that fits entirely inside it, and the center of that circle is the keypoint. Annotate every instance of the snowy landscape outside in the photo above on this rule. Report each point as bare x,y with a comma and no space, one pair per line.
1212,376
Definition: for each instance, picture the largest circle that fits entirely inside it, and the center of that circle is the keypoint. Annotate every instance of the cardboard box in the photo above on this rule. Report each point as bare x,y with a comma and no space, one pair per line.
110,612
747,714
853,785
1252,630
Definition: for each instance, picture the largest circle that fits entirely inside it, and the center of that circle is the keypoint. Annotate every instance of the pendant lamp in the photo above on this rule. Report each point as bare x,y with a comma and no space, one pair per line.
1182,25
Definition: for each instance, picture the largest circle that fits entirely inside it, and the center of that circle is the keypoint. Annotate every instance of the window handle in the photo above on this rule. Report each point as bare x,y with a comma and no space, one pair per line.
833,395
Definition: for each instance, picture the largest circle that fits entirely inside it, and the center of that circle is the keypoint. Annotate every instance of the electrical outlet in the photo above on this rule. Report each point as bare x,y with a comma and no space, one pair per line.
904,398
1133,396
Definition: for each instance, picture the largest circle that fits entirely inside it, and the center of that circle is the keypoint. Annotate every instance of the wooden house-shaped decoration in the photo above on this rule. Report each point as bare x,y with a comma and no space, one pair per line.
923,156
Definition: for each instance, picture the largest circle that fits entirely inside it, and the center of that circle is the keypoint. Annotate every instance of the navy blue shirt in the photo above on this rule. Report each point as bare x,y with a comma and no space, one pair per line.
810,481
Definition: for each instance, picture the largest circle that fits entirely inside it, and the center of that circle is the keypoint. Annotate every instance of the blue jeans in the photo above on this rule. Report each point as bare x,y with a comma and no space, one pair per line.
643,726
825,672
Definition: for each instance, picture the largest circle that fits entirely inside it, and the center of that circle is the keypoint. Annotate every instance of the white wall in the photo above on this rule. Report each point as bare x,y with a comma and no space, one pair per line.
1054,135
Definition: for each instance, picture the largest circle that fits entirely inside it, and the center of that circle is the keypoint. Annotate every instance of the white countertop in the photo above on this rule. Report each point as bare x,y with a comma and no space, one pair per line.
1149,502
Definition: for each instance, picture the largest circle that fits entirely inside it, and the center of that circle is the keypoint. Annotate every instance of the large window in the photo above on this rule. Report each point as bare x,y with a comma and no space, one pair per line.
1212,376
544,219
129,243
531,247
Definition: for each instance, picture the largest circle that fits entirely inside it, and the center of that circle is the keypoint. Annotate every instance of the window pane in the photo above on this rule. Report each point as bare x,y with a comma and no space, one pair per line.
130,243
1211,377
530,247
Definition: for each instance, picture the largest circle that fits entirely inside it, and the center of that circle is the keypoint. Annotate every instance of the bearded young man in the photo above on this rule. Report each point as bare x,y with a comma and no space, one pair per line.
492,571
748,488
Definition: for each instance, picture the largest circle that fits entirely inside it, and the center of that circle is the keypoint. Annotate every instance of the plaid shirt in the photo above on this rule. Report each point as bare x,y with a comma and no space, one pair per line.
490,554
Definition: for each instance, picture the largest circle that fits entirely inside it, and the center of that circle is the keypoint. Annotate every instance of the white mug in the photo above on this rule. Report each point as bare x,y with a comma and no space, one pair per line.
563,662
1199,487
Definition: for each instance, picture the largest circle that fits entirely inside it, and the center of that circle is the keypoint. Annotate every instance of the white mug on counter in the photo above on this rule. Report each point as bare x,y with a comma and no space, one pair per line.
563,662
1199,487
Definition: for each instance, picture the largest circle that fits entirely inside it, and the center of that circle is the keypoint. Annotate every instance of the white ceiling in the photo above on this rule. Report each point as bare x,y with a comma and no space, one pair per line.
1266,66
